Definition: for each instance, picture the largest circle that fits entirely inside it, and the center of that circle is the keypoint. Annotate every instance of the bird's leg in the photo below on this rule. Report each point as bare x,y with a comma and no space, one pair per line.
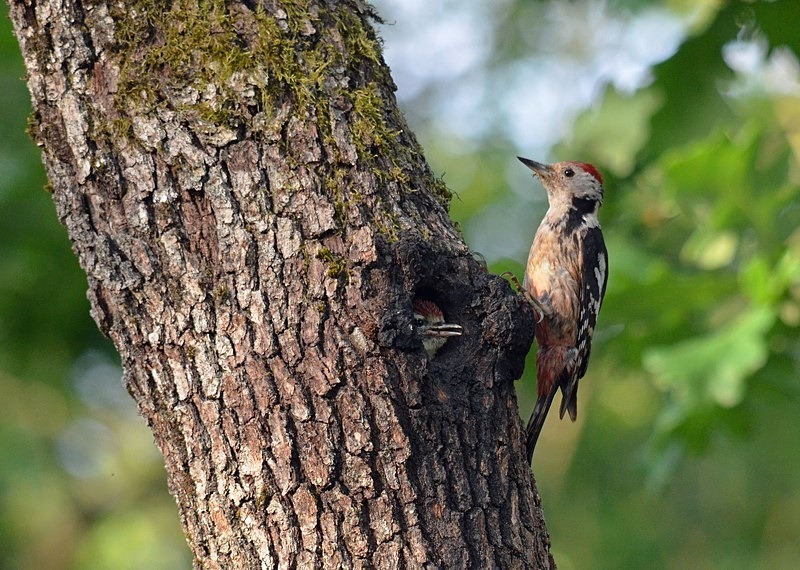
537,306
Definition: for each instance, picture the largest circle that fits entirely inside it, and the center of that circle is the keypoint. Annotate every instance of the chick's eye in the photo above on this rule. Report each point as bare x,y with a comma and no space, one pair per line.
569,173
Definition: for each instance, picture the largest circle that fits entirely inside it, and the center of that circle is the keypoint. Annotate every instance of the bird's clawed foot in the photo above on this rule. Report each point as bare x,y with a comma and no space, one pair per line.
538,309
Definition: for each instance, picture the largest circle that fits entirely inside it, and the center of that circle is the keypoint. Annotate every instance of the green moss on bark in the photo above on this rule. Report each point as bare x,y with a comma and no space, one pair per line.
224,66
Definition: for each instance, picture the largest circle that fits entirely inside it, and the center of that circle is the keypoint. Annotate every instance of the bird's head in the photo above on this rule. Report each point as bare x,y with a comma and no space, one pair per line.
571,184
430,325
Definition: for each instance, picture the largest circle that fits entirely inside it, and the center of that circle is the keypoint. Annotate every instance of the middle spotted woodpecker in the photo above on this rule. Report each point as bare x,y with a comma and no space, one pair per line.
566,279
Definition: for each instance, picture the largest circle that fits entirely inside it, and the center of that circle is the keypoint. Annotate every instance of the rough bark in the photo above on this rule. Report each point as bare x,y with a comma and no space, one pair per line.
255,218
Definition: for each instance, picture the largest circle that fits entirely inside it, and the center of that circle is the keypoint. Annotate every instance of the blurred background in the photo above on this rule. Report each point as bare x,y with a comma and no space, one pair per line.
686,453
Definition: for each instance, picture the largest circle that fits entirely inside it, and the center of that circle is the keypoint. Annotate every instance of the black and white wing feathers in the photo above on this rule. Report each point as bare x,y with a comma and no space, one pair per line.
594,277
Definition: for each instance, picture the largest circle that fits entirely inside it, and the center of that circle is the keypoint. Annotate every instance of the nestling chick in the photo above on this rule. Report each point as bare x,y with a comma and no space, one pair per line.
429,324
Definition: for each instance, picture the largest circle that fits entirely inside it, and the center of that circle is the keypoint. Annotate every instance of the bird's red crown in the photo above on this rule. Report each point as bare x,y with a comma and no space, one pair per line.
425,307
590,168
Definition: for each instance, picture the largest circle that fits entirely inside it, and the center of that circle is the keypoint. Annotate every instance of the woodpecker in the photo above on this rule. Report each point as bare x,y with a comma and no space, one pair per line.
565,278
429,324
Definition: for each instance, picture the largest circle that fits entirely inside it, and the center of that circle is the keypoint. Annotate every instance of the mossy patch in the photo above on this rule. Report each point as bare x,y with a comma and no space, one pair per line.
368,125
228,65
225,66
337,265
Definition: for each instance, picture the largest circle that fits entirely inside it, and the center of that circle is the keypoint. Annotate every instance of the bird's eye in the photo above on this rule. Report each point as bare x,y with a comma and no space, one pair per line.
419,321
569,173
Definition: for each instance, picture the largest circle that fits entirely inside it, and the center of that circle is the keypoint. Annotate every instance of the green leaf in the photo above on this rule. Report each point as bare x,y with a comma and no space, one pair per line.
714,367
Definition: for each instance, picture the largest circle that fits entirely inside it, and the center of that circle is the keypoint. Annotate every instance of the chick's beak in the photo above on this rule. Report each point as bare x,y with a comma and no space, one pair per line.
537,167
443,330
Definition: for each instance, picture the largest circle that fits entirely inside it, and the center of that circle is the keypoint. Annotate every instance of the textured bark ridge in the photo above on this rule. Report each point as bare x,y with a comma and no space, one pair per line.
255,218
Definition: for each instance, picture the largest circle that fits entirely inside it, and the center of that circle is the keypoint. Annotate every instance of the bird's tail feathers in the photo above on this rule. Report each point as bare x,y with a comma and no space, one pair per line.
536,421
569,399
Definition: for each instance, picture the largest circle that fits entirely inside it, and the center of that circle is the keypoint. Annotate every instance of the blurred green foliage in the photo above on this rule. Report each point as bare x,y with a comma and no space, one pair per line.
686,453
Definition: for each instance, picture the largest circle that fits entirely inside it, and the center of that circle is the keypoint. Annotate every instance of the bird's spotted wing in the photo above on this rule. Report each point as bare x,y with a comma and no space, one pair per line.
593,289
594,275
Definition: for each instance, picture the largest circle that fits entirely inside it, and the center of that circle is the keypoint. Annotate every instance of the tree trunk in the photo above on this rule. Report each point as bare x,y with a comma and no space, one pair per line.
255,218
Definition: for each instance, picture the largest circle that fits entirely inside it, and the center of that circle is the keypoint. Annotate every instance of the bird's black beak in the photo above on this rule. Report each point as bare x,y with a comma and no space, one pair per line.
537,167
443,330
